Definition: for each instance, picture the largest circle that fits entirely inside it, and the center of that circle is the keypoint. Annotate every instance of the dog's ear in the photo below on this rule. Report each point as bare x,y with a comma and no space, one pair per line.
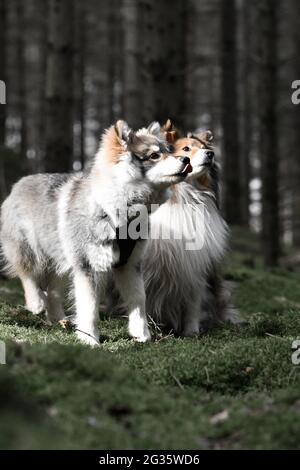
168,126
207,136
154,128
170,132
123,131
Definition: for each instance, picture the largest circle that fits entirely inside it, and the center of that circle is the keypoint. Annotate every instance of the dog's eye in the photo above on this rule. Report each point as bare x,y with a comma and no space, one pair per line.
155,156
186,149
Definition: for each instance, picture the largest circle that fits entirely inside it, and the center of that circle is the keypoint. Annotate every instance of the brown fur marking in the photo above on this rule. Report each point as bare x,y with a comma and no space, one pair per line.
111,146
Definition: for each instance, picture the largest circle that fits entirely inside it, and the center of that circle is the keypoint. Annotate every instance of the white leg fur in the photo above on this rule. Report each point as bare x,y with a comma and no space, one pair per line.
87,309
131,287
34,297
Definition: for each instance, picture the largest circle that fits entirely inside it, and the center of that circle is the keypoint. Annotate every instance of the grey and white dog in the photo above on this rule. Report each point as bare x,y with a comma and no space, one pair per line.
56,227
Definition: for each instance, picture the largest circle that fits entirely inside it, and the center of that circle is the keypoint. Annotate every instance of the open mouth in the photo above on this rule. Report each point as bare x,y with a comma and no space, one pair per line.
185,171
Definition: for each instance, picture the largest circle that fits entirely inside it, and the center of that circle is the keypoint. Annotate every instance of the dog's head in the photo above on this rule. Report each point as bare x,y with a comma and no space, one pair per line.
198,147
142,156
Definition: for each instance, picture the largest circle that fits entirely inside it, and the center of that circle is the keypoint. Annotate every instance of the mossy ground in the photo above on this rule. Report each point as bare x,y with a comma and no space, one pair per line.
230,389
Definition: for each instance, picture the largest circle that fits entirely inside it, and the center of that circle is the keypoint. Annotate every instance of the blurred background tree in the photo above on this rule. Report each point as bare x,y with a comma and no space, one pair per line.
73,67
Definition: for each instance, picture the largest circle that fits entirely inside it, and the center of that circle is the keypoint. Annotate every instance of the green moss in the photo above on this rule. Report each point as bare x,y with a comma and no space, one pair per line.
166,394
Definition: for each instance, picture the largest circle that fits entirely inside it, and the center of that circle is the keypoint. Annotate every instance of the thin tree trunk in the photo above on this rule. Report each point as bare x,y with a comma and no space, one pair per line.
3,188
287,58
22,79
162,42
79,80
99,82
245,109
106,84
231,165
295,125
82,91
35,54
202,73
132,85
267,114
42,96
115,62
59,87
2,67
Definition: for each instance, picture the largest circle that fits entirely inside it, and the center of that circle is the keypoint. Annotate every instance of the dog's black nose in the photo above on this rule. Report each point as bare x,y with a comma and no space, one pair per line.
185,160
210,154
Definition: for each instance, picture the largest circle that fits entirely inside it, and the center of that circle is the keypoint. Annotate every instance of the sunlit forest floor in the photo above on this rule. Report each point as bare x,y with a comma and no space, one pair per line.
232,388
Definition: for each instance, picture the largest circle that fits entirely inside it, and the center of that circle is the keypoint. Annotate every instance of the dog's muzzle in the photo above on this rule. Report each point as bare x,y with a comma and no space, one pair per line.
209,158
187,167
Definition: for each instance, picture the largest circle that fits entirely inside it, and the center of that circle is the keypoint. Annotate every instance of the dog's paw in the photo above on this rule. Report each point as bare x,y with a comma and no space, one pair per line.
36,306
143,338
190,332
139,330
191,327
87,339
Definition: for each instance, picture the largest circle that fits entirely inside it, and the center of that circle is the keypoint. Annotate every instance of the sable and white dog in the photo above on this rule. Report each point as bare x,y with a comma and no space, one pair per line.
184,291
55,226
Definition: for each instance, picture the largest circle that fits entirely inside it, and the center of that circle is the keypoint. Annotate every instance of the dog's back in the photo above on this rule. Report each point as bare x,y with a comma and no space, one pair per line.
29,222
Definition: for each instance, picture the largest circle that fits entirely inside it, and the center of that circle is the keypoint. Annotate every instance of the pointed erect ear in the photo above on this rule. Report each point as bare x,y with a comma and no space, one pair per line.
123,131
154,128
204,137
170,131
168,126
207,136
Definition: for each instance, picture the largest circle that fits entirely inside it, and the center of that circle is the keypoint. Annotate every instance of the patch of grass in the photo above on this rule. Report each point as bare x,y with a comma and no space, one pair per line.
231,388
23,424
92,400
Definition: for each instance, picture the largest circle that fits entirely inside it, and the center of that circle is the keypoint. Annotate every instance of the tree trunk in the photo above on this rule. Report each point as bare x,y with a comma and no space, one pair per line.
231,157
2,67
162,61
82,90
295,124
35,53
287,58
267,114
79,80
202,73
99,54
59,87
22,79
131,62
115,62
245,109
3,187
41,149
